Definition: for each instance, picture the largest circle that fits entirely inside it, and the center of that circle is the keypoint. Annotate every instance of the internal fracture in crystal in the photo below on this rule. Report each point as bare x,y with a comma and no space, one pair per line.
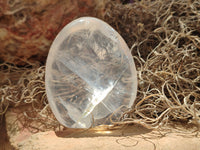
90,74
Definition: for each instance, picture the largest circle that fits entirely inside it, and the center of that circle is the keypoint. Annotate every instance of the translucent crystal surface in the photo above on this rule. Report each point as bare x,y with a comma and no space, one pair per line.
90,74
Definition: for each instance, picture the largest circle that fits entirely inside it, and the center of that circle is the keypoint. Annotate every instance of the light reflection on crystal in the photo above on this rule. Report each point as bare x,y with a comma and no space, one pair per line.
89,74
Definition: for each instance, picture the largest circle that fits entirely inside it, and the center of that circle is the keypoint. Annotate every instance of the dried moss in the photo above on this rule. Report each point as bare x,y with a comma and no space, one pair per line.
164,37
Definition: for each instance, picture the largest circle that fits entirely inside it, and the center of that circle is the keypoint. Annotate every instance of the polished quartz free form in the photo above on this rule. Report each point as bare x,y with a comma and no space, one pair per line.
90,74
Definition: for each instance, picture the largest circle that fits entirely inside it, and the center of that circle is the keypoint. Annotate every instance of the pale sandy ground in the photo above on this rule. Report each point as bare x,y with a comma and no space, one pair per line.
133,137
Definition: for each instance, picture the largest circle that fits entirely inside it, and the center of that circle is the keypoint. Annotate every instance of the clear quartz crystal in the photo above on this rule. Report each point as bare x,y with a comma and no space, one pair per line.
90,74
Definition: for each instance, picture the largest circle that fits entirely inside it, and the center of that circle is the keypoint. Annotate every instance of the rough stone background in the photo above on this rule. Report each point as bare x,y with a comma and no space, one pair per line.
164,38
28,27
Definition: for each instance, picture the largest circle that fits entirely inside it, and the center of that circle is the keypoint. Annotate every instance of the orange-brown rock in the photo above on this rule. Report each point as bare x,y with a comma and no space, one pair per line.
28,27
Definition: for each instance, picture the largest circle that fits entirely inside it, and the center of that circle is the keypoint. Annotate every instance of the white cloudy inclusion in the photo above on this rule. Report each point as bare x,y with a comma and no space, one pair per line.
90,74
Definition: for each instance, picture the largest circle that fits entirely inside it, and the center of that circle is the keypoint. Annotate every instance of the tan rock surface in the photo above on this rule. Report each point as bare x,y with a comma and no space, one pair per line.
129,138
